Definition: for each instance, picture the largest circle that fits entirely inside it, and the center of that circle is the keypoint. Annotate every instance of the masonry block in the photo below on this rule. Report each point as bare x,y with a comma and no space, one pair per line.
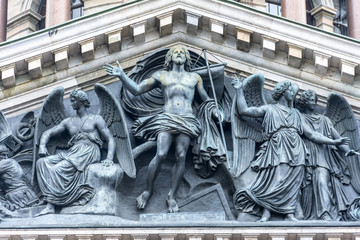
8,76
243,39
61,58
165,23
138,32
34,67
114,40
87,49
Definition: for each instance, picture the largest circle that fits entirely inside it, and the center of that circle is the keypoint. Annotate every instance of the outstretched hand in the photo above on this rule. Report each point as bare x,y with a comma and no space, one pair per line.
236,83
342,141
114,71
352,153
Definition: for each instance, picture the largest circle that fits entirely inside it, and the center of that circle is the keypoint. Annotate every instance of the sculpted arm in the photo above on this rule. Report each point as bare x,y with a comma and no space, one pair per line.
105,132
321,139
200,89
241,105
45,137
136,89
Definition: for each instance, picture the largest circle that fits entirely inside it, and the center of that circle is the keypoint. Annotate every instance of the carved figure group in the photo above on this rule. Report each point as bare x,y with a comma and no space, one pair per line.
299,160
294,145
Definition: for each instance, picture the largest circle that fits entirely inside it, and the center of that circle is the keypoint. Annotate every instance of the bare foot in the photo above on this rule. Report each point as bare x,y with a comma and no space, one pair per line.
173,207
265,217
49,209
291,217
142,200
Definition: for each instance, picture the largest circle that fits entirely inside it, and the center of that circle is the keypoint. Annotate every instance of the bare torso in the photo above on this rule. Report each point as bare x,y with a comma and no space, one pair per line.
178,90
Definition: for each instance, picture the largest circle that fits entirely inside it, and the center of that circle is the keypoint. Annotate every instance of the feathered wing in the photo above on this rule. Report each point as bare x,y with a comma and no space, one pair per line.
340,113
246,131
112,113
51,114
5,129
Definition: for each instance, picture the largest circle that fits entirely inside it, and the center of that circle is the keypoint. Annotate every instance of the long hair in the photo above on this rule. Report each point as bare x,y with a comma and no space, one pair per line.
279,89
168,58
81,96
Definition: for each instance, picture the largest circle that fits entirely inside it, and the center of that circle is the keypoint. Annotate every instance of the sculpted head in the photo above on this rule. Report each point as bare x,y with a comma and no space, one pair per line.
308,99
80,96
283,89
177,55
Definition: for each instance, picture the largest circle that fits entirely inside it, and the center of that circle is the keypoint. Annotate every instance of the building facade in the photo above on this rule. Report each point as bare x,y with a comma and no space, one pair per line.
45,44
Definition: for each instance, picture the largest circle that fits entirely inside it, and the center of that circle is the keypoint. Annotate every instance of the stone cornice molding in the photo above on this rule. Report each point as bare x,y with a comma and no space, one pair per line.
237,15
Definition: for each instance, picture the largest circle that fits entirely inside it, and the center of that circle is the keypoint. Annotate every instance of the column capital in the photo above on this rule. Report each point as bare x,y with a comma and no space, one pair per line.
324,17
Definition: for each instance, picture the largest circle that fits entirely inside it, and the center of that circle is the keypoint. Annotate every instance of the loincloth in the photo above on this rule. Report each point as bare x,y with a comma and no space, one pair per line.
147,128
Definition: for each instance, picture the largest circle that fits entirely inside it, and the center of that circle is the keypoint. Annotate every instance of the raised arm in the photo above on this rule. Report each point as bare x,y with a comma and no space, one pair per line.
45,137
241,105
105,132
136,89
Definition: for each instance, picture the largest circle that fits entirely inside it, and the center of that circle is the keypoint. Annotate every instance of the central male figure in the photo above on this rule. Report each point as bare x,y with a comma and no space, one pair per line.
176,124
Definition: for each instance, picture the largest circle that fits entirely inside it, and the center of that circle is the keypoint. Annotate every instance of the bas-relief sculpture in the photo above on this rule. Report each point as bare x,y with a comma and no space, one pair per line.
176,123
287,161
62,176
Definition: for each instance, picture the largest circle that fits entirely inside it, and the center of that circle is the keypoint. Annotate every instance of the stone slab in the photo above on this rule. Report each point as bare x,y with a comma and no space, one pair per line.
179,217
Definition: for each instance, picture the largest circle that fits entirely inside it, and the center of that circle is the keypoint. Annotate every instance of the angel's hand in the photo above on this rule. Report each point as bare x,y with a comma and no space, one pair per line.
236,83
342,141
107,163
114,71
351,153
43,152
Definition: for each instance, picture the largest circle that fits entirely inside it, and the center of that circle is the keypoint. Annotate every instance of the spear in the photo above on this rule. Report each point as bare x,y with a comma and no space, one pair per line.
216,104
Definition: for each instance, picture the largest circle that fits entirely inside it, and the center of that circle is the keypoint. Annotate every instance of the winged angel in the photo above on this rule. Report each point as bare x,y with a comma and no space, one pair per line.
280,162
324,196
62,176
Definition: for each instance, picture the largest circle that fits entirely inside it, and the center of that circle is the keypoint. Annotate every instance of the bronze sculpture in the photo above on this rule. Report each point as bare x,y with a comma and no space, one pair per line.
176,123
62,176
324,196
281,158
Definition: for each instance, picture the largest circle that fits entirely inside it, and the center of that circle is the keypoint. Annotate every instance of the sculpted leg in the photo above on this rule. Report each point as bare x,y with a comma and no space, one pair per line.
266,216
164,141
182,144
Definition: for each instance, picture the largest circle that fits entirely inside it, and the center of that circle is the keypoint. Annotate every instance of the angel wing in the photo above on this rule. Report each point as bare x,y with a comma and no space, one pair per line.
51,114
246,131
4,127
340,113
112,113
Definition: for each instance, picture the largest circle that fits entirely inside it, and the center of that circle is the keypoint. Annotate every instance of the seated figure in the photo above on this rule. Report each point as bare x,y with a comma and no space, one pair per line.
16,191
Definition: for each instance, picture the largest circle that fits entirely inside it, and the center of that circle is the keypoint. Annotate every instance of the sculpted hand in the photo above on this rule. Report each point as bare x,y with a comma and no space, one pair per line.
217,116
352,153
43,152
107,163
114,71
341,141
236,83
